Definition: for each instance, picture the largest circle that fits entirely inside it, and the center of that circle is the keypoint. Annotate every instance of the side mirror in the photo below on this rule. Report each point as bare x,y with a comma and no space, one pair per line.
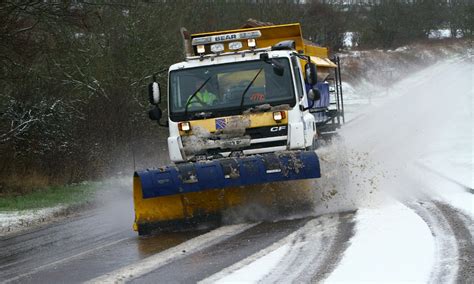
311,74
155,114
314,94
154,93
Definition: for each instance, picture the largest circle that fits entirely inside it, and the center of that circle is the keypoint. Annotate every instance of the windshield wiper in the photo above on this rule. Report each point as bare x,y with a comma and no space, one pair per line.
193,95
247,88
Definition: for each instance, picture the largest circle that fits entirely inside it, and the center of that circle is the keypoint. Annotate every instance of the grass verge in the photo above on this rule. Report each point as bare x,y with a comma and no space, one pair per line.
49,197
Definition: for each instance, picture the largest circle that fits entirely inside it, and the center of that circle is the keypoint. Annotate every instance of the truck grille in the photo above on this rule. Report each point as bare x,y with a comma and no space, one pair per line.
253,146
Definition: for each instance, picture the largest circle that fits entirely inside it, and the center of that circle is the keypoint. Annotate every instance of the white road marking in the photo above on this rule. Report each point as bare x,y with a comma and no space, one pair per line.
155,261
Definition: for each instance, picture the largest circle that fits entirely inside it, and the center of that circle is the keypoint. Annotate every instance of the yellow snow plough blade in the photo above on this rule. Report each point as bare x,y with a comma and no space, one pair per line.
177,211
169,211
198,191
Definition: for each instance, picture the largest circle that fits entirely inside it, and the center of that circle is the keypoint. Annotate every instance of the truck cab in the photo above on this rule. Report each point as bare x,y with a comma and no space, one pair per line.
241,92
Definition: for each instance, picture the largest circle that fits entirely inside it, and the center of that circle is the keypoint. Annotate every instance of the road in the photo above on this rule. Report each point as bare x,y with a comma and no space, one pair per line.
397,216
99,241
88,248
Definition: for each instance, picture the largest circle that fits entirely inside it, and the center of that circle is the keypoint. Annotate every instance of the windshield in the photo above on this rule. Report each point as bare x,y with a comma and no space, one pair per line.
228,89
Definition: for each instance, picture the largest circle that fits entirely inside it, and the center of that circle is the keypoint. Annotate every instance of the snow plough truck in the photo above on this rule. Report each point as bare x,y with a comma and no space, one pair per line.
244,109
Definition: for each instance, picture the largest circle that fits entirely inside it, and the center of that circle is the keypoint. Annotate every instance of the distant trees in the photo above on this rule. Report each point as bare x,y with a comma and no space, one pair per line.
460,17
73,74
387,24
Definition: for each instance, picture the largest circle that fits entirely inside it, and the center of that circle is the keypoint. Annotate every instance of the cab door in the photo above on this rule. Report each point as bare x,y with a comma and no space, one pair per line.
307,119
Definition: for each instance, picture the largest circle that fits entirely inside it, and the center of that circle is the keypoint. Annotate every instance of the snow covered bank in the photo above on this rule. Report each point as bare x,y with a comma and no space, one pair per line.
15,221
444,33
391,243
350,38
103,194
421,135
369,75
426,118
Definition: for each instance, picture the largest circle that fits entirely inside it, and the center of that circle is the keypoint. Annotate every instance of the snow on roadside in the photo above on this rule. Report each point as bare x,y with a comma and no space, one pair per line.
348,41
391,243
107,191
443,187
350,38
372,73
17,220
427,117
444,33
422,136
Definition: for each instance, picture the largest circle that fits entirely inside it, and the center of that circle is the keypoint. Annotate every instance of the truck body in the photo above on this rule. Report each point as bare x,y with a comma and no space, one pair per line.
242,110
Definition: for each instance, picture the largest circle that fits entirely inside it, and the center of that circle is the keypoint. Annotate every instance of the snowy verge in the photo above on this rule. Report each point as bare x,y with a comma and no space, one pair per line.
445,187
421,135
392,243
105,192
16,221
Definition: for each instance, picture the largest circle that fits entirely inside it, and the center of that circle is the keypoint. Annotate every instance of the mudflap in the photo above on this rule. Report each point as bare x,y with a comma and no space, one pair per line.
190,193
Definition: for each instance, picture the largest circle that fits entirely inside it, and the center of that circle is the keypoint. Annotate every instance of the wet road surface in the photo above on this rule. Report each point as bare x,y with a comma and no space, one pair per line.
96,244
101,241
81,248
199,265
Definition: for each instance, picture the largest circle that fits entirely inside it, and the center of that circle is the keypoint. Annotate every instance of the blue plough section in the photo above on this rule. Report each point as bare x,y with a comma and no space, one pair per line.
229,172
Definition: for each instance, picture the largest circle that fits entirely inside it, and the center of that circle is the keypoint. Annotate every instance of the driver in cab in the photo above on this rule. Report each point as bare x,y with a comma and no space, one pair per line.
203,97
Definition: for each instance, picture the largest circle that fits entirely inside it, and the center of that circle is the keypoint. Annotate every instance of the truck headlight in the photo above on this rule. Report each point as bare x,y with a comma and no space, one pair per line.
235,45
184,126
217,48
251,43
201,49
279,116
